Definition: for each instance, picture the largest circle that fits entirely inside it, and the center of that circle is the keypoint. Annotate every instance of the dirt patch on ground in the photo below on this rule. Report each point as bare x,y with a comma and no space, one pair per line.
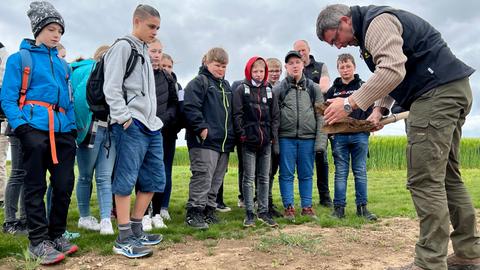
389,242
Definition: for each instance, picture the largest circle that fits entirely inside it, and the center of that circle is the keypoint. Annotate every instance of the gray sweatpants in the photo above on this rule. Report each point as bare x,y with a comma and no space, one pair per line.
208,169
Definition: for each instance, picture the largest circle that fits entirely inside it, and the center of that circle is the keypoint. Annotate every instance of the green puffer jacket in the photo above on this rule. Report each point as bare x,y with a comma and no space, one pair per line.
298,119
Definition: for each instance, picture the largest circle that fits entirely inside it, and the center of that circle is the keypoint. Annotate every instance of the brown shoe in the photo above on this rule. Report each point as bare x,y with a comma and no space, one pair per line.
289,213
410,266
457,263
308,211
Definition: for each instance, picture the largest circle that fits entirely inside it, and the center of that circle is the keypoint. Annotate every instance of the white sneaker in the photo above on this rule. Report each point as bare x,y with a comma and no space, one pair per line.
147,223
164,214
157,221
106,226
89,223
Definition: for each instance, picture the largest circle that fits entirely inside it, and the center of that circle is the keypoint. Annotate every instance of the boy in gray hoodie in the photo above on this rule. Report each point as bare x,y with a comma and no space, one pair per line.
136,130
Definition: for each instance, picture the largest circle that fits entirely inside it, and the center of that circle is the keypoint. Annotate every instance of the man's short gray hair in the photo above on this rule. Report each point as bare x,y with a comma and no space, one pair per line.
329,18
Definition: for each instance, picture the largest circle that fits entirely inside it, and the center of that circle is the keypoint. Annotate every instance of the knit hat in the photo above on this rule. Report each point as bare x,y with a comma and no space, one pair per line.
43,13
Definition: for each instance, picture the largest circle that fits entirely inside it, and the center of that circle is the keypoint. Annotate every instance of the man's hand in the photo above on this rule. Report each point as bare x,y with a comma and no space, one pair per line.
204,134
335,111
375,117
127,124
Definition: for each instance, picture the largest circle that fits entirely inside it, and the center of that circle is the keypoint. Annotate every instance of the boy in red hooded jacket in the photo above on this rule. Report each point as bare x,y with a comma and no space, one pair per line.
256,120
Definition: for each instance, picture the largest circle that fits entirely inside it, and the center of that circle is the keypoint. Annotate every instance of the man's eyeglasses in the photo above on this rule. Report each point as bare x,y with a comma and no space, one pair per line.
334,39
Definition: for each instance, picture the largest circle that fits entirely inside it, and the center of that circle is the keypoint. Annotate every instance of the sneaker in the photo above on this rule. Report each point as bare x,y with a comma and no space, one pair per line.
272,209
131,248
13,228
362,211
267,219
455,262
289,213
308,211
106,227
164,214
157,222
338,211
147,223
195,219
240,203
147,239
223,208
47,252
209,215
89,223
64,246
249,220
70,235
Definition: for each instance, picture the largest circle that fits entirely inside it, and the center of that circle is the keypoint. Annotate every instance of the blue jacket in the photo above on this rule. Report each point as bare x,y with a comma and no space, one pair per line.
48,84
83,115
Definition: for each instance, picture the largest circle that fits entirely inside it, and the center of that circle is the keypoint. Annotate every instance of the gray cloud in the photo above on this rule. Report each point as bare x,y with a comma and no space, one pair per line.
244,28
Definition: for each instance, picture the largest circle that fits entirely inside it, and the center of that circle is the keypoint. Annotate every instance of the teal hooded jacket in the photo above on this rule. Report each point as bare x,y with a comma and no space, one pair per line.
79,79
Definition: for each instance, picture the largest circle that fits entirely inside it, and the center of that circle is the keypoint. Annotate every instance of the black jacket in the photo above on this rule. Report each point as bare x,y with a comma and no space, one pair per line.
167,99
339,89
256,115
207,104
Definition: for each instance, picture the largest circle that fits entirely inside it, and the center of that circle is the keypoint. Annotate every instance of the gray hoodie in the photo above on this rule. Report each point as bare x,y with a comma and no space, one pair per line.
140,85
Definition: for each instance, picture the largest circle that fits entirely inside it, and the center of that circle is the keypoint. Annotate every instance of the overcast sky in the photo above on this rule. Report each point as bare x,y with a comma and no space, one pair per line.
244,28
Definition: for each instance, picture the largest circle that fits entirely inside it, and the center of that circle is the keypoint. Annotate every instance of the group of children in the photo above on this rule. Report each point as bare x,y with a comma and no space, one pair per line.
46,104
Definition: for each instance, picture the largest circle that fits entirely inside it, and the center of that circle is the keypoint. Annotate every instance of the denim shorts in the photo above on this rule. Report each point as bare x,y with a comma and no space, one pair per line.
139,158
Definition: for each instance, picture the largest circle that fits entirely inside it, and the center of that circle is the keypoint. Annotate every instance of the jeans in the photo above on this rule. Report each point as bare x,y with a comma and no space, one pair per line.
355,147
299,154
100,159
139,157
321,165
14,189
3,163
256,164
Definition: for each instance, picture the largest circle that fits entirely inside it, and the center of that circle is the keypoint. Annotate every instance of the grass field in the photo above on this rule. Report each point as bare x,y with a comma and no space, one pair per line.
388,197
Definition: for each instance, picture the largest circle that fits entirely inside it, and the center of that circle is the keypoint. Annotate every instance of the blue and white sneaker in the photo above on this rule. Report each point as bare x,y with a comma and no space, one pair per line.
150,239
131,248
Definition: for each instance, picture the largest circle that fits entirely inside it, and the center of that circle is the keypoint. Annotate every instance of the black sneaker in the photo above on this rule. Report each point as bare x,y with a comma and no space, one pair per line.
131,248
223,208
267,219
249,220
338,211
46,252
15,228
150,239
325,200
362,211
272,209
195,219
64,246
209,215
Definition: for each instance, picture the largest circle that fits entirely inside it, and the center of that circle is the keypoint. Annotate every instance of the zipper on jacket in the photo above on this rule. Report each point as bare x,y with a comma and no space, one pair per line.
298,112
260,117
58,91
225,106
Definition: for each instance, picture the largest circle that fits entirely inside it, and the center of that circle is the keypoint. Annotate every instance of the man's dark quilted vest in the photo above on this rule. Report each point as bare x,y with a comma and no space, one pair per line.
430,63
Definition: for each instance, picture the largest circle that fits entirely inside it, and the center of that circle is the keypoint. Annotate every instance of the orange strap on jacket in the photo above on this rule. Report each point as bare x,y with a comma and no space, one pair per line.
23,90
51,125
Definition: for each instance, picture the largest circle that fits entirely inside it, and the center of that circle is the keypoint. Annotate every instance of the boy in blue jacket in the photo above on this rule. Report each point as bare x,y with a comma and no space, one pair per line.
37,101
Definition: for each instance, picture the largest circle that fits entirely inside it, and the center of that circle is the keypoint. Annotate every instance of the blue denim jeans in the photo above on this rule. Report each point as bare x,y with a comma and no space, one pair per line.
139,156
100,159
256,164
354,146
299,154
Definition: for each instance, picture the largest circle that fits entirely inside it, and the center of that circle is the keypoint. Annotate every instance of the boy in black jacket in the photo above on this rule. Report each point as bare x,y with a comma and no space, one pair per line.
256,119
210,136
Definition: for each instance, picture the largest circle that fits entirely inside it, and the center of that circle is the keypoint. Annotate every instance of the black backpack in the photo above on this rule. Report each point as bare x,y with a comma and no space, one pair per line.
309,88
95,95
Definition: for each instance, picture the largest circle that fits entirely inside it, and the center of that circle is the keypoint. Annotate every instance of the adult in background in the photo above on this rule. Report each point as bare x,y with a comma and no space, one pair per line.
318,73
413,65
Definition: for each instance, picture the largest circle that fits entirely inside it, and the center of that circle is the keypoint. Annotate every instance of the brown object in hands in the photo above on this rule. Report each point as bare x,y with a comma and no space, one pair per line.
351,125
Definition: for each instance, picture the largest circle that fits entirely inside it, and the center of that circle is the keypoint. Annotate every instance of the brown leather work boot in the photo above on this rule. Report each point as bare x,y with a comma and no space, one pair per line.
457,263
